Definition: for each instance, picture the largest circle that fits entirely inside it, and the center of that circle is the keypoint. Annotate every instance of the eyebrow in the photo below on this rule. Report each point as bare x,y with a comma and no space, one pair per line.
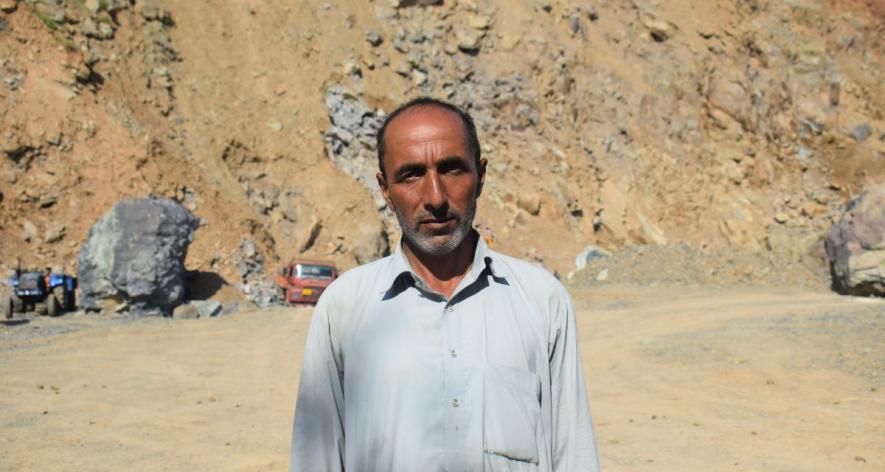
446,161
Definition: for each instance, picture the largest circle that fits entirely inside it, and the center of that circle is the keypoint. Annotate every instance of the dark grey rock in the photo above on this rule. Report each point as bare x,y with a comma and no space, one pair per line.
135,255
856,246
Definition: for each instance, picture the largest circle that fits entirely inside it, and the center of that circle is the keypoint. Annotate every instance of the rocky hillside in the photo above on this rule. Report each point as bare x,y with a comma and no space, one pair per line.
739,125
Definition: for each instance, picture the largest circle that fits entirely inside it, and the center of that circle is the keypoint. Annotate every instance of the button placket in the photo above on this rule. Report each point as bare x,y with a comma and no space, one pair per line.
454,384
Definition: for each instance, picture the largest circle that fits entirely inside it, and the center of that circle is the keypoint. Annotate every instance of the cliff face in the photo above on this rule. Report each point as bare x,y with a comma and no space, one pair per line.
720,124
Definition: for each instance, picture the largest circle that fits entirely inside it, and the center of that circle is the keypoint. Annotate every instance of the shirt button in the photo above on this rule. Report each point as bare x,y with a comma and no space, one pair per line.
450,309
455,403
453,353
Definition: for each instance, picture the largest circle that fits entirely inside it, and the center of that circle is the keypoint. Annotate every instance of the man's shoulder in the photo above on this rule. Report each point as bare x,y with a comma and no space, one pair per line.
528,274
357,279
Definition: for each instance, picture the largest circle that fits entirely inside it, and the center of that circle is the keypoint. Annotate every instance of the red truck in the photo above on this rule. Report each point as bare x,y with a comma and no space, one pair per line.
304,281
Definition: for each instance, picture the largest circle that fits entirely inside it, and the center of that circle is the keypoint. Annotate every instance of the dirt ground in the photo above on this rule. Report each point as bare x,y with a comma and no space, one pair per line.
680,379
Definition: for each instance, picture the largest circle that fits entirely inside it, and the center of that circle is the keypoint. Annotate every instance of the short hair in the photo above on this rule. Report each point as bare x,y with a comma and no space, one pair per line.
429,102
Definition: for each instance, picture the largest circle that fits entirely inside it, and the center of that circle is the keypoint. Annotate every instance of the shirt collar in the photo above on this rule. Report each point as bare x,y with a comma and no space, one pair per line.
402,276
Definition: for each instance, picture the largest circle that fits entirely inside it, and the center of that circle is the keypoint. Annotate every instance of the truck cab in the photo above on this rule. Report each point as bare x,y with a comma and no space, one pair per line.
302,282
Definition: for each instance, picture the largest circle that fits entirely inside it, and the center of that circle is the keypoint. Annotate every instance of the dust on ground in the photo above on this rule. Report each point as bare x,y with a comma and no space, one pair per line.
679,379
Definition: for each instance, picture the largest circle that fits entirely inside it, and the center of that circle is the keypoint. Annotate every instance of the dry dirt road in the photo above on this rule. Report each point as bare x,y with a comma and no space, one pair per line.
682,379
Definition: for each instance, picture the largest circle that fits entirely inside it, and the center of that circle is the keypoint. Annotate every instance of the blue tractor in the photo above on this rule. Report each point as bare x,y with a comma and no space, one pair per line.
47,293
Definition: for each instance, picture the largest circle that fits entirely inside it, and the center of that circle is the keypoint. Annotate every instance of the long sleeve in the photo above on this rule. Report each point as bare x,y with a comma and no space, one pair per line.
574,441
318,432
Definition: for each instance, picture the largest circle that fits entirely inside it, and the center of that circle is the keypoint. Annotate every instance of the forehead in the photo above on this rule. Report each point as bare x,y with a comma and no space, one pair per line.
424,125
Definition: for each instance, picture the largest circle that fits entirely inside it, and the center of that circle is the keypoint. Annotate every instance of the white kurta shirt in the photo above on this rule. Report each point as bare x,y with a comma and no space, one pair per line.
398,378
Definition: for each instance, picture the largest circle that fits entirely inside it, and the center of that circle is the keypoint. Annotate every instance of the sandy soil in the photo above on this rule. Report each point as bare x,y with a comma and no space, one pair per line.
680,379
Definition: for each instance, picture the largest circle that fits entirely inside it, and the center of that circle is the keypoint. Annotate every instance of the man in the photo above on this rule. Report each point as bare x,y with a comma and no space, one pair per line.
444,356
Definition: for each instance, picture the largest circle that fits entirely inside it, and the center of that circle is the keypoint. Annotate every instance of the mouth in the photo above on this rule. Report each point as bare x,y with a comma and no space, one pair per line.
436,223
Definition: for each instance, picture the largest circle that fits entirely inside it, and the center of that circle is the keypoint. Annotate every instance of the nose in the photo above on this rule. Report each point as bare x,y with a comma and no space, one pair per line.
435,197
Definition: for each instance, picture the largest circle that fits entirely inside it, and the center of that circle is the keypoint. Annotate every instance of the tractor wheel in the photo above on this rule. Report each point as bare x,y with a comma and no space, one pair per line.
18,304
7,308
59,293
52,308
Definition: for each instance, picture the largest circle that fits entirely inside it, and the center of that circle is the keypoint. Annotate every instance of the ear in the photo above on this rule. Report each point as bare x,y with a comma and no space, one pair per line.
481,176
385,190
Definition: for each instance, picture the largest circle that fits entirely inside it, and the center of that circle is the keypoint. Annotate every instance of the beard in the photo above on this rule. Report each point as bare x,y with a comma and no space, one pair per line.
438,243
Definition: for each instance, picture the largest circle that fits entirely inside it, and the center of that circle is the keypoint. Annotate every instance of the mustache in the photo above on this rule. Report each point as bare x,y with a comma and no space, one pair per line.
441,214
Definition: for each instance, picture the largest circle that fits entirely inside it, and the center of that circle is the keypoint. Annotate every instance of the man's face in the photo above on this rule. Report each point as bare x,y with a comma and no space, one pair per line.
432,180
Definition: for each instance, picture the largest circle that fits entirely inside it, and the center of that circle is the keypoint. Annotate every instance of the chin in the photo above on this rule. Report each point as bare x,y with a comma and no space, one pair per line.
439,244
436,245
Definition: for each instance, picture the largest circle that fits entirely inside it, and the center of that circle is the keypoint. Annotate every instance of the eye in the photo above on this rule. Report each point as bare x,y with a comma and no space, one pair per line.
452,167
407,174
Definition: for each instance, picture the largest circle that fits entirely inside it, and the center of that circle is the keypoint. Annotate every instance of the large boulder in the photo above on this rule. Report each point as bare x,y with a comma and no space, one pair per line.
134,256
856,246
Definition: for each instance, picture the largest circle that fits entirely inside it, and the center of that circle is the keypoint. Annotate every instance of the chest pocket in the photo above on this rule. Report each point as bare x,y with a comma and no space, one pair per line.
511,417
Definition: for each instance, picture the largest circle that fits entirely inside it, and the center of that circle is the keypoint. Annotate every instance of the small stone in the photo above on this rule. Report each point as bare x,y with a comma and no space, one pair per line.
89,28
207,309
8,6
531,203
660,30
29,231
55,235
781,217
860,133
275,126
352,68
414,3
480,22
418,77
574,23
48,201
105,30
49,11
373,38
469,41
187,311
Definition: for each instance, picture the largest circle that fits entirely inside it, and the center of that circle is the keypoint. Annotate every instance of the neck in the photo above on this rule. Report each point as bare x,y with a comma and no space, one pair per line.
443,273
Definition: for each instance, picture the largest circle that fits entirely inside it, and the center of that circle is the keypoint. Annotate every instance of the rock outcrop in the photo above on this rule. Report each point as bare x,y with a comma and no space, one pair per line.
350,143
856,246
134,256
256,287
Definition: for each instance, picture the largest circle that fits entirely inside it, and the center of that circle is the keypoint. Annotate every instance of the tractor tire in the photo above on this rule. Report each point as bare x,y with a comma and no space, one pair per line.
52,308
7,308
60,295
18,304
